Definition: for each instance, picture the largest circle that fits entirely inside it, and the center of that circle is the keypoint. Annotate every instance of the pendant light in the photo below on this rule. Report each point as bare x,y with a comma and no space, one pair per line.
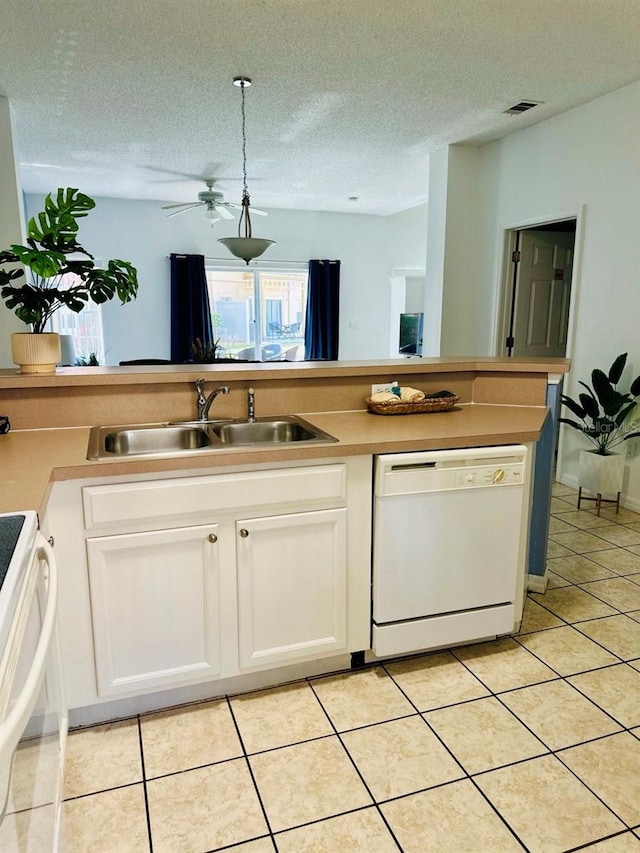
246,247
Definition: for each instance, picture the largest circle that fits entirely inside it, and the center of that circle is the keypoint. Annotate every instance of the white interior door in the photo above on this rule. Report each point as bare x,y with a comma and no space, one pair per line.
543,291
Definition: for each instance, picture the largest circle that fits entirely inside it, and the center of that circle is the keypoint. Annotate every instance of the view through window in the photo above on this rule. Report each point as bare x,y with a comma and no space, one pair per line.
84,328
259,314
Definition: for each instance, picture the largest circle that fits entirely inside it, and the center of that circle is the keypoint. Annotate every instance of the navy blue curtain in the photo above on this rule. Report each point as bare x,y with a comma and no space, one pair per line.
323,309
190,309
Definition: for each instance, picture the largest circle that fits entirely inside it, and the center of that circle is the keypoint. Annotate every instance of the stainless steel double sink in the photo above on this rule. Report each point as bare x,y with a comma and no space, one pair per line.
177,439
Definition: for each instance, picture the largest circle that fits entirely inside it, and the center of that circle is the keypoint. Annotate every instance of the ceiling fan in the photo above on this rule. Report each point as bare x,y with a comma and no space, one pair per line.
213,202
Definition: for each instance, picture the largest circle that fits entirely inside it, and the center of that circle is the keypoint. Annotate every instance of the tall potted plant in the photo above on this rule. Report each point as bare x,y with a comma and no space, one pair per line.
603,413
52,251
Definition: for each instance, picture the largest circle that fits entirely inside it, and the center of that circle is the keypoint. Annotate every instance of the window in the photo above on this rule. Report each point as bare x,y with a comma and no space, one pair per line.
85,329
259,314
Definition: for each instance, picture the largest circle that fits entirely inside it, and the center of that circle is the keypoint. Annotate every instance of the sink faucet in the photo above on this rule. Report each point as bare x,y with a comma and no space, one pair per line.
251,405
203,404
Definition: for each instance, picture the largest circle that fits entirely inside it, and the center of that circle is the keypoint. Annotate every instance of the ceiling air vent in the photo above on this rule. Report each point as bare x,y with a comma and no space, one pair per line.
521,107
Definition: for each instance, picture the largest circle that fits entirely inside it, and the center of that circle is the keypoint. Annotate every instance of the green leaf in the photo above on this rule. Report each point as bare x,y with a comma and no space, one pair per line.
78,266
9,275
618,401
74,301
120,277
56,225
45,264
635,387
589,405
573,407
615,371
571,423
624,413
31,304
602,387
584,385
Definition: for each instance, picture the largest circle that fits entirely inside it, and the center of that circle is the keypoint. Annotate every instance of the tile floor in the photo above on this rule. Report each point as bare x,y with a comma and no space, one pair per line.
526,743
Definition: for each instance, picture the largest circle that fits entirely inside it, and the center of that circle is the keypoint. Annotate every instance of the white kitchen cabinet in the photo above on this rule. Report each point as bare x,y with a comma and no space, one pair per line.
155,605
292,586
150,604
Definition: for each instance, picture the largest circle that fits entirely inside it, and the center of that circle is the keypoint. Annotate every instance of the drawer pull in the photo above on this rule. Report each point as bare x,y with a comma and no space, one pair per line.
244,533
213,538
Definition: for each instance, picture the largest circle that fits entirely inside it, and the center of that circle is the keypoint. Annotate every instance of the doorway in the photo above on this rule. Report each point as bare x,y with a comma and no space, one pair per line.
406,295
538,289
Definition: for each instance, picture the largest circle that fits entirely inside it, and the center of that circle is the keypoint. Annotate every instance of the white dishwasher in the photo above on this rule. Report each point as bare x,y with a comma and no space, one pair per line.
449,546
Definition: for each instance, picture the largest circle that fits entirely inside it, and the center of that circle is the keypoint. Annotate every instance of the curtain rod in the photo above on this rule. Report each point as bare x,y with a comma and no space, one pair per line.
256,262
239,260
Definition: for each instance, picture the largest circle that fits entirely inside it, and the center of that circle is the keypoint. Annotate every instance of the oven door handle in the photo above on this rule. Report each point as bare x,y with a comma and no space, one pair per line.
13,726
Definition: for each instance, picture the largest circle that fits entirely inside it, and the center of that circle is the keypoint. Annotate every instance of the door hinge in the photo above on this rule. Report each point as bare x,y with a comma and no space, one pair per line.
515,256
510,342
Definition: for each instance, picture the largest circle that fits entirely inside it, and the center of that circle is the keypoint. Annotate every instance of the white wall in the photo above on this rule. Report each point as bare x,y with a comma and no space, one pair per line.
139,231
11,220
586,160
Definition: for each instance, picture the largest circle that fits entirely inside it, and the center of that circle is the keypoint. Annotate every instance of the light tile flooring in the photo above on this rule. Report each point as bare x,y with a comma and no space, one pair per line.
526,743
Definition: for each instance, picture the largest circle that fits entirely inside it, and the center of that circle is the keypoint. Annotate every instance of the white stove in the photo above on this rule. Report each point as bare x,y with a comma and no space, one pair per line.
18,533
33,717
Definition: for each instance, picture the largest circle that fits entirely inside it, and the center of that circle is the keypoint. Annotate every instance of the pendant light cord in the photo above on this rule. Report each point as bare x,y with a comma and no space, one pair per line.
245,189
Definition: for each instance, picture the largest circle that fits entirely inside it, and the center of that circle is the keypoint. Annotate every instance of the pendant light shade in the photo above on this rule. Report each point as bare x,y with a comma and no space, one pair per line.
245,246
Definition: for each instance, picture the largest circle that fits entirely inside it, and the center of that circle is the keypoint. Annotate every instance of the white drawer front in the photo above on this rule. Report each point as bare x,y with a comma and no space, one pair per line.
187,497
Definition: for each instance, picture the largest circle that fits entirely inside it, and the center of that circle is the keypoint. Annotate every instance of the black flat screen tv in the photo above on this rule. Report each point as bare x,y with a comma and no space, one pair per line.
411,326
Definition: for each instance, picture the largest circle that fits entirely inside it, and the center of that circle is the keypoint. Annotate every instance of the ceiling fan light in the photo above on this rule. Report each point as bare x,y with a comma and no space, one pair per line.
212,215
246,248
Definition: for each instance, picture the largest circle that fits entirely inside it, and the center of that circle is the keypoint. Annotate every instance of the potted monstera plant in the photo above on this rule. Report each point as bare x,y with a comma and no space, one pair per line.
51,254
603,413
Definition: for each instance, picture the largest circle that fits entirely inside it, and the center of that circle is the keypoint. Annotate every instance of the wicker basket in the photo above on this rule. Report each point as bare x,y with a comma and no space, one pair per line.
429,404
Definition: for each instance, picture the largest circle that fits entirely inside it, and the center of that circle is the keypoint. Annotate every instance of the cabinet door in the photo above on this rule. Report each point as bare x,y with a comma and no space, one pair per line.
155,608
292,586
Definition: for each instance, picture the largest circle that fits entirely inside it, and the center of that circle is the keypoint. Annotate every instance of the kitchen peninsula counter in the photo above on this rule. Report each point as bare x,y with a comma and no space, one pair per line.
502,401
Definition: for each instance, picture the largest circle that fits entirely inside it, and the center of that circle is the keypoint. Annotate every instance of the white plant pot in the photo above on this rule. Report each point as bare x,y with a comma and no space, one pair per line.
601,475
36,353
67,350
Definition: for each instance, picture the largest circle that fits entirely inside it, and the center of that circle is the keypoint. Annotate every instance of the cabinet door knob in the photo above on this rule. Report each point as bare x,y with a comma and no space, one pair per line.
213,537
244,533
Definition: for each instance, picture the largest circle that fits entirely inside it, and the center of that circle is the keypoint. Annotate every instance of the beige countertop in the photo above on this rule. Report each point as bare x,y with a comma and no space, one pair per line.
223,372
30,460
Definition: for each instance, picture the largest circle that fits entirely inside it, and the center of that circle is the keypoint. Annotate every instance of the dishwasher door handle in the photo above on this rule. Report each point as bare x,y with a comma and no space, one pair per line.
415,466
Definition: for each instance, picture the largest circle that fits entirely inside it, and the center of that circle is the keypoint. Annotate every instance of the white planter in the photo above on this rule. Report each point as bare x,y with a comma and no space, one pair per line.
68,351
36,353
601,475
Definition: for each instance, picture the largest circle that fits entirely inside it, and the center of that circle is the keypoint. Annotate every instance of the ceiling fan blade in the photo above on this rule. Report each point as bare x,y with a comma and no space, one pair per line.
189,207
209,169
224,213
180,204
253,209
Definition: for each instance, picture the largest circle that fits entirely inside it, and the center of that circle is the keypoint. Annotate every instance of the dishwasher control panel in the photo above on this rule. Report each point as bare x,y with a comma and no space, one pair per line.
444,470
489,475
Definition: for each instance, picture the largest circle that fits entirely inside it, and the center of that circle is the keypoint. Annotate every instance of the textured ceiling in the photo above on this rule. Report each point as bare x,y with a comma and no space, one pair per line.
134,99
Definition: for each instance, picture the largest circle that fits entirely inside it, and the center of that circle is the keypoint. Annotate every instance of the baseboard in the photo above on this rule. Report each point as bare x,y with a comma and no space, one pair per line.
625,500
537,583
